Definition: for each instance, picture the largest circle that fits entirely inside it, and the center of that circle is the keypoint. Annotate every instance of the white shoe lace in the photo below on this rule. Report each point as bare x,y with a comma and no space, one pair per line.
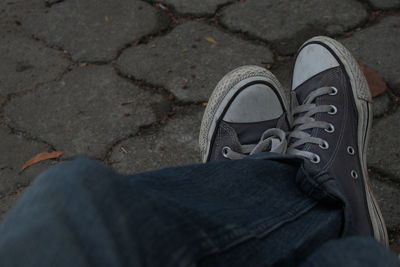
272,140
304,120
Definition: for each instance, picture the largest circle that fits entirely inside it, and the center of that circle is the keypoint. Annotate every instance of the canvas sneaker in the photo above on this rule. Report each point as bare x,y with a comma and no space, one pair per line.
331,108
246,114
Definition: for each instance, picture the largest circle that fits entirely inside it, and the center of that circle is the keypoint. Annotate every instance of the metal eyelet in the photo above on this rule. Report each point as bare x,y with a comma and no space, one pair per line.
351,150
324,145
225,151
334,91
315,159
354,174
330,128
333,110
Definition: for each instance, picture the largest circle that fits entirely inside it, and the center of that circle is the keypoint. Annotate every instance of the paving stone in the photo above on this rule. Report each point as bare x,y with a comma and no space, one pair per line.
383,150
388,196
85,112
188,65
16,151
175,144
26,63
94,30
14,11
378,47
288,23
385,4
381,104
198,8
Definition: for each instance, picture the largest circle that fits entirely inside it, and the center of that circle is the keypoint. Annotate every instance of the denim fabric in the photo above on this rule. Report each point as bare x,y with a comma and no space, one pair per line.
262,210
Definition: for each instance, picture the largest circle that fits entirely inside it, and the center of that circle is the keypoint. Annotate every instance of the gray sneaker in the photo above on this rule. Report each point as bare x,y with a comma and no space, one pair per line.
332,120
246,114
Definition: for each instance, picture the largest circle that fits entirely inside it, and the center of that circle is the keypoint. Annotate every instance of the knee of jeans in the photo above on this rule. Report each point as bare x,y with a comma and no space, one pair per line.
69,173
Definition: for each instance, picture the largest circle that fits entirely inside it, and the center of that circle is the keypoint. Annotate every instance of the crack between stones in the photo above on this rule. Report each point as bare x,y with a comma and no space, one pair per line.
143,40
212,20
370,7
66,54
143,84
49,5
374,17
190,16
153,88
155,126
28,136
177,18
9,97
144,130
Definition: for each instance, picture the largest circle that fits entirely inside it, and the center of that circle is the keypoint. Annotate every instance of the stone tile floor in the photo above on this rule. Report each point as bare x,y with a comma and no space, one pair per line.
126,81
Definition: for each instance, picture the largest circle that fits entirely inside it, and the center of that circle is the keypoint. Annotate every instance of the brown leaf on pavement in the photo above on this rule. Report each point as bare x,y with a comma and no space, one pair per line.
210,40
376,84
41,157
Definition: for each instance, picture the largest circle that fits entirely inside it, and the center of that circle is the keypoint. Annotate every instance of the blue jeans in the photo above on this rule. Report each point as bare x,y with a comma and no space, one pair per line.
260,211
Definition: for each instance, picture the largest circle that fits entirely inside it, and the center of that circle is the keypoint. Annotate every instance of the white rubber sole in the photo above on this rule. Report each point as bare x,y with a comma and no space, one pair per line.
222,95
362,97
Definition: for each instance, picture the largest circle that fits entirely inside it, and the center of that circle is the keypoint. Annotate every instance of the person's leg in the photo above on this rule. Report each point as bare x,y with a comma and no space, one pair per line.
233,213
82,213
354,252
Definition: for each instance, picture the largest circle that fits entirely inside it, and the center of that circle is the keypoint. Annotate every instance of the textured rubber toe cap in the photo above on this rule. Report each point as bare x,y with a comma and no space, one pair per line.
311,60
256,103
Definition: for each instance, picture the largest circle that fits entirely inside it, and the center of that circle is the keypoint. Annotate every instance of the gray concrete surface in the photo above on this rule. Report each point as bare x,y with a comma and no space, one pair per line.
16,149
385,4
94,30
381,105
188,65
196,8
161,146
384,152
383,36
388,193
85,112
125,81
23,66
288,23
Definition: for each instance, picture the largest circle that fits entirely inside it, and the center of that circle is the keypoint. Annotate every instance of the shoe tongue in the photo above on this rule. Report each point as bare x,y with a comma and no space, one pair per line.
320,80
325,78
246,136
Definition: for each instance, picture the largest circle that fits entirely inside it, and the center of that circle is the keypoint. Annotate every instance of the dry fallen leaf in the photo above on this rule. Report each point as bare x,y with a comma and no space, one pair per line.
210,40
376,84
41,157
